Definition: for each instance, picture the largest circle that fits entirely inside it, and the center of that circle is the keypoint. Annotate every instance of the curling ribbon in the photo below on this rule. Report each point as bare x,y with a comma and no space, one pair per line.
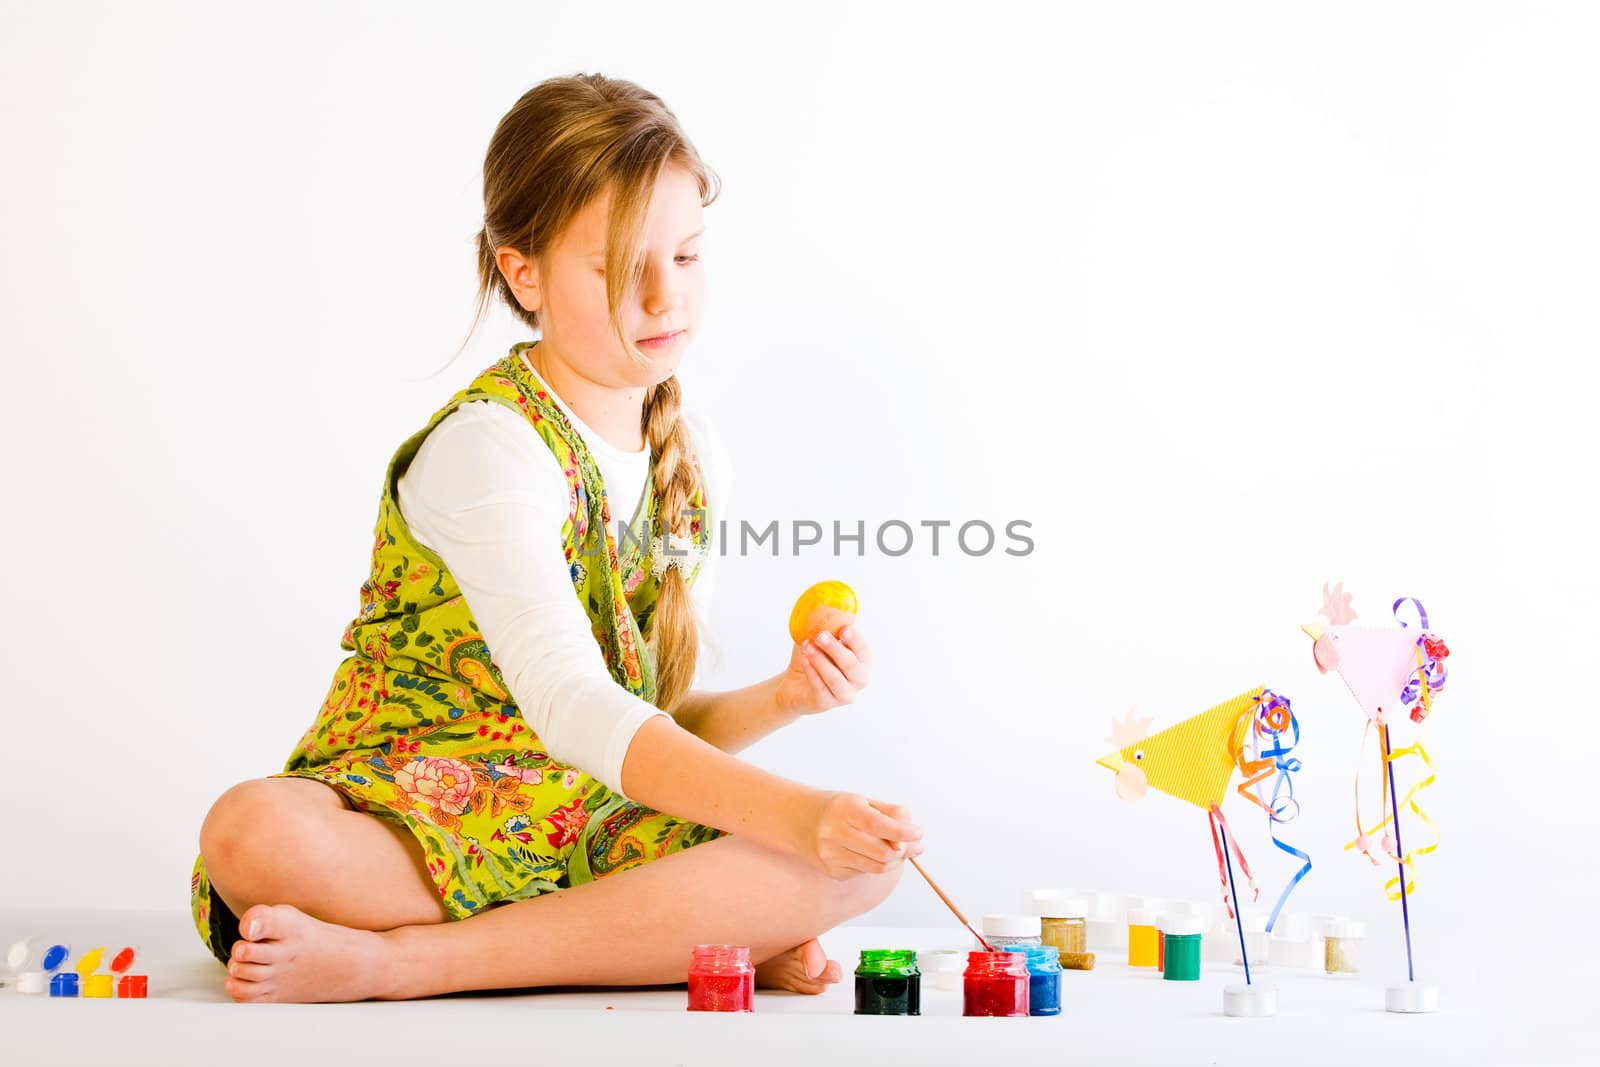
1216,817
1391,887
1273,720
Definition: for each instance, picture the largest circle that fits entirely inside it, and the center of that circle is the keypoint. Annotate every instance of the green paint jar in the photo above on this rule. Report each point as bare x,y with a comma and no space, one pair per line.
888,982
1181,940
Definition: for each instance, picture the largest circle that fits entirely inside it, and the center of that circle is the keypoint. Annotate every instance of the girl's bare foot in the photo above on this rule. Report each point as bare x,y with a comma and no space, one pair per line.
290,957
802,969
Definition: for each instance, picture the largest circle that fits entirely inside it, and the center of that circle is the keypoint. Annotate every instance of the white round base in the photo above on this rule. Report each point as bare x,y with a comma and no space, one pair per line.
1412,998
31,982
1249,1001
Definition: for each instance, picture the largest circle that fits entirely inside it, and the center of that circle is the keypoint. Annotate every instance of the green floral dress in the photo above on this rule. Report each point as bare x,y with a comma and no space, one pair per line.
418,727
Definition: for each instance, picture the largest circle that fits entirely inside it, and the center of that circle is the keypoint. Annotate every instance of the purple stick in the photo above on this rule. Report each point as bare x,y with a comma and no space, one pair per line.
1405,910
1238,920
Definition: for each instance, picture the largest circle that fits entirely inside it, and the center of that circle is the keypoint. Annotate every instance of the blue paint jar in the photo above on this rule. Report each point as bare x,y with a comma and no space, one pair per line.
1044,977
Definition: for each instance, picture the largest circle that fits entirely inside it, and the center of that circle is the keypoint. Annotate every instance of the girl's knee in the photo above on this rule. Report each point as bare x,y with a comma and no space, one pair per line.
254,824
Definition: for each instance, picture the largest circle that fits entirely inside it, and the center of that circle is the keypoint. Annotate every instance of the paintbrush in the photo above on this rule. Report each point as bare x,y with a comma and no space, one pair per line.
950,904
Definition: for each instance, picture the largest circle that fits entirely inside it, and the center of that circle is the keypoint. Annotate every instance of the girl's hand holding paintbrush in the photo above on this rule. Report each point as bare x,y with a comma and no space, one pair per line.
849,834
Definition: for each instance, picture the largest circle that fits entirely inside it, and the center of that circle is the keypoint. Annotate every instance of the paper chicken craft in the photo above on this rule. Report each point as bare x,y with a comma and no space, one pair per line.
1394,673
1195,760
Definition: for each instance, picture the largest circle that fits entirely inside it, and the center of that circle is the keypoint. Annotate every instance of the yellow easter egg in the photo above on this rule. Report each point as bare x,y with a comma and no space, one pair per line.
825,606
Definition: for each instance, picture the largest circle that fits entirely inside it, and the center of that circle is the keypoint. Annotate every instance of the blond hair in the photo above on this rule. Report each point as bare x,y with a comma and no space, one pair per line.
564,142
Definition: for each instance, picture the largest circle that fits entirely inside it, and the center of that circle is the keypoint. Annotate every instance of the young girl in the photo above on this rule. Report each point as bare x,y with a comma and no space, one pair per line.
482,801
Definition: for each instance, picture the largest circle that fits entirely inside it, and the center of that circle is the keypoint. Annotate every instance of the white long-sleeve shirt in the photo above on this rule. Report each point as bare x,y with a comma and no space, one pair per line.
488,496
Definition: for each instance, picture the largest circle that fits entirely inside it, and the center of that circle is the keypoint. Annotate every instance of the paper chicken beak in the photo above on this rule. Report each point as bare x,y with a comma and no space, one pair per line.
1112,763
1312,631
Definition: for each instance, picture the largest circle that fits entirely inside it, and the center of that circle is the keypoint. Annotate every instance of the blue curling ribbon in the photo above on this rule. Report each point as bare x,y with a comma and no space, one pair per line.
1282,805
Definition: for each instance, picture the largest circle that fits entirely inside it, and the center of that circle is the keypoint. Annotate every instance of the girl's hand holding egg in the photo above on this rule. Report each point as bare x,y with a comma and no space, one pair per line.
830,661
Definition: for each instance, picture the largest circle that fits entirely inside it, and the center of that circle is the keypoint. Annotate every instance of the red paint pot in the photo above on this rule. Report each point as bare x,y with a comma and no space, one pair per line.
996,983
721,979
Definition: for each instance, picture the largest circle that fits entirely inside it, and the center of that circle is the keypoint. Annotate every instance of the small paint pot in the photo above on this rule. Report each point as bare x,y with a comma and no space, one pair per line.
1143,939
64,984
1003,930
135,986
1063,919
995,983
942,968
1341,946
888,982
1180,961
1044,977
721,978
1256,940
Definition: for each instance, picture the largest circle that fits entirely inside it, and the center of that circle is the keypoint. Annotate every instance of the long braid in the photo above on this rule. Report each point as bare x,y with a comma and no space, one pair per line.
672,631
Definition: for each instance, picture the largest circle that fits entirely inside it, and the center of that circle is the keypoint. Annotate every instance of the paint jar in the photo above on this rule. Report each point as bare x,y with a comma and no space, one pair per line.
888,982
1063,920
134,985
1044,977
64,984
721,979
1292,944
1180,960
1256,940
1341,940
1143,939
1003,930
942,968
995,983
1105,921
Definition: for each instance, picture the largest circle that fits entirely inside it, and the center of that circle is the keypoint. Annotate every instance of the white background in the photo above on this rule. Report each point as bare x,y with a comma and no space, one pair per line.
1224,300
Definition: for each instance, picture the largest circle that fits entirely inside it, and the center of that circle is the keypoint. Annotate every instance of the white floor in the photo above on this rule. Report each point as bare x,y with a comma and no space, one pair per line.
1112,1015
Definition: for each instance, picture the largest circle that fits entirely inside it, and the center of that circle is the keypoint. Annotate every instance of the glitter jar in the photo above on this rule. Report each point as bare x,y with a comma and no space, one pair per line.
721,979
1341,941
1044,977
995,983
1142,939
1180,940
1003,930
1063,919
888,982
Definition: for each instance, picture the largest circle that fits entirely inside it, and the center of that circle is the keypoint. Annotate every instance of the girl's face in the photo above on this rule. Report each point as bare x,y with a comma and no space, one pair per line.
668,299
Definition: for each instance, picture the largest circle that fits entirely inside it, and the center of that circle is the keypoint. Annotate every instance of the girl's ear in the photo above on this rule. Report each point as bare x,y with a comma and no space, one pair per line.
520,275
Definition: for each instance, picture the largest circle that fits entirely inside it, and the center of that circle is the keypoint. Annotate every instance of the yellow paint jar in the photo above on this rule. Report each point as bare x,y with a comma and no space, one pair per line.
98,985
1143,944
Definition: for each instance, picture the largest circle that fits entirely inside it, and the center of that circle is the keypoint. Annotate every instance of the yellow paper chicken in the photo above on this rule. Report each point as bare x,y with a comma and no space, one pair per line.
1194,761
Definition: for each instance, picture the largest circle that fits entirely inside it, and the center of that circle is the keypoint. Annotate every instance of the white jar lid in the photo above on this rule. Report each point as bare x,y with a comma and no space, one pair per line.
1340,926
1181,923
1141,917
1059,904
1012,925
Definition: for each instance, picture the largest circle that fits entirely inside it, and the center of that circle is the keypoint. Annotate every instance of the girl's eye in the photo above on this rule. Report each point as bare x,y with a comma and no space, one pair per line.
691,259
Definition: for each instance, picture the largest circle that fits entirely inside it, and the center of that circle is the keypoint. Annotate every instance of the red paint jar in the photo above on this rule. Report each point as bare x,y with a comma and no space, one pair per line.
721,979
996,983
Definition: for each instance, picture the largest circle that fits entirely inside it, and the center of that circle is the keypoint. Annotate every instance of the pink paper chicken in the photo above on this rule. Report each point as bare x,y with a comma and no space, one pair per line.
1388,670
